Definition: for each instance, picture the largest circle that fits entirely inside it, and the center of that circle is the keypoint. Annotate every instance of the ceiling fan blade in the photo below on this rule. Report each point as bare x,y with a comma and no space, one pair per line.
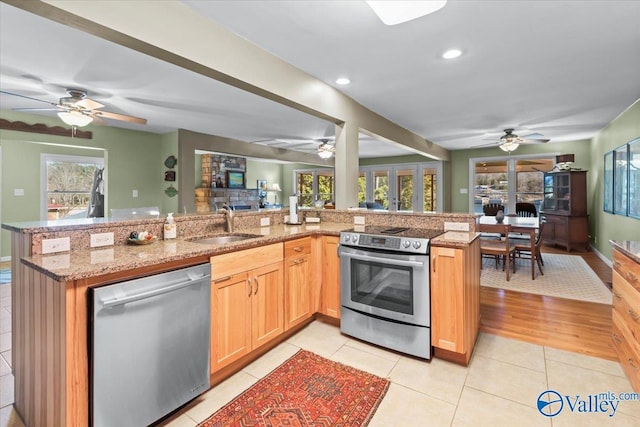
89,104
533,136
34,109
534,141
115,116
27,97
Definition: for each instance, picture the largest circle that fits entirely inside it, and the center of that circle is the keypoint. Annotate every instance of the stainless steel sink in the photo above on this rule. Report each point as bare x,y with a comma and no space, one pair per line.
224,238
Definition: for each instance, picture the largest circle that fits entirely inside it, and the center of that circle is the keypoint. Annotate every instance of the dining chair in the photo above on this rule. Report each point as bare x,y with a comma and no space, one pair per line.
498,248
491,209
524,209
531,250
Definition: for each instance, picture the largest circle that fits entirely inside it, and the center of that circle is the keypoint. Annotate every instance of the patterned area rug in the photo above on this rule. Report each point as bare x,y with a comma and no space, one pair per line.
5,276
306,390
565,276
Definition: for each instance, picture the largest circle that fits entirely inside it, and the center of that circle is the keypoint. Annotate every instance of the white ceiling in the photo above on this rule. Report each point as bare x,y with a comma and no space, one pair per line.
563,69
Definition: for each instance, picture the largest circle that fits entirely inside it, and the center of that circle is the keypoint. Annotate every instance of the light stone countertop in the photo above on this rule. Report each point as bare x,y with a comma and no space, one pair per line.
455,239
83,264
630,248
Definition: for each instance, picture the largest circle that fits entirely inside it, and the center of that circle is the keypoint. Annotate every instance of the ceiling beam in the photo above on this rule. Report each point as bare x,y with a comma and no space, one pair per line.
173,32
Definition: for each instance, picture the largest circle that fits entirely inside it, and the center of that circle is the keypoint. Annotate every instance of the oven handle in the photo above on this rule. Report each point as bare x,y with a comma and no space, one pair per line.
385,260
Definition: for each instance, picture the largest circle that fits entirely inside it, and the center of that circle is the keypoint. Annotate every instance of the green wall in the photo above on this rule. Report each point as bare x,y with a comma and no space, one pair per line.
134,160
606,226
460,164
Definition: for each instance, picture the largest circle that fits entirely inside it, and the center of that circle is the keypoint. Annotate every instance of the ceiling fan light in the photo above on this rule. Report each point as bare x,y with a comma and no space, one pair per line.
397,12
325,154
509,146
74,118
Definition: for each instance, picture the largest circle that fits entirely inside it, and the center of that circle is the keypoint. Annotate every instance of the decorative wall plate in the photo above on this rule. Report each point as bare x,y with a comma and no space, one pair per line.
170,191
170,162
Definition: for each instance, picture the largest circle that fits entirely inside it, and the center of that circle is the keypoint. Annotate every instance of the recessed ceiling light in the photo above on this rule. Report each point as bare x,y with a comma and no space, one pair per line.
399,11
343,81
452,53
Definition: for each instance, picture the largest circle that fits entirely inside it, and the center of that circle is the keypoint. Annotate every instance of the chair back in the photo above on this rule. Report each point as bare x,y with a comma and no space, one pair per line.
497,229
524,209
491,209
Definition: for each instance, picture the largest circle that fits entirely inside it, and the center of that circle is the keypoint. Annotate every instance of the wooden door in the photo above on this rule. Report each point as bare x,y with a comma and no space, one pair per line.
331,277
297,289
447,298
267,305
230,319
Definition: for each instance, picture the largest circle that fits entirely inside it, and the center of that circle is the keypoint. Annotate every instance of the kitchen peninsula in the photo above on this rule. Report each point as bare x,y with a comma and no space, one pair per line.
49,298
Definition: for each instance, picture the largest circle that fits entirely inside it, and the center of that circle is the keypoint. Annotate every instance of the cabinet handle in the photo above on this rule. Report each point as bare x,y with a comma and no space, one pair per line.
298,248
631,277
615,294
616,339
633,365
222,279
249,283
633,315
255,279
434,264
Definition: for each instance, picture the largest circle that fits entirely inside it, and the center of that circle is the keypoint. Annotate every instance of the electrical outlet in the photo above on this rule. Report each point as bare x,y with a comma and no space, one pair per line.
265,222
101,239
456,226
134,193
18,191
358,220
61,244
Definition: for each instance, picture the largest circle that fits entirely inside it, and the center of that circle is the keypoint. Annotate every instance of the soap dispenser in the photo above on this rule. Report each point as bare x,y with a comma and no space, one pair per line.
170,229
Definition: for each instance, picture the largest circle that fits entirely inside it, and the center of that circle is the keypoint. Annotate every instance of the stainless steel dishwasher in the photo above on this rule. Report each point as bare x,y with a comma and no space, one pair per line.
149,346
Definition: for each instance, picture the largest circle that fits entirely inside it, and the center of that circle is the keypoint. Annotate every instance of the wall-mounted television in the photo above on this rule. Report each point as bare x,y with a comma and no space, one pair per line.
235,179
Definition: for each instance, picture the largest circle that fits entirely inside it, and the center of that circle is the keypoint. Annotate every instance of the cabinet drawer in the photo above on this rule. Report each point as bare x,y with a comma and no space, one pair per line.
294,248
236,262
626,303
629,360
627,269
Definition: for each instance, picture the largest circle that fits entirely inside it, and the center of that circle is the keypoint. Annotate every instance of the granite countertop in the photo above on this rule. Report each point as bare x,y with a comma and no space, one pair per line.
456,239
630,248
74,265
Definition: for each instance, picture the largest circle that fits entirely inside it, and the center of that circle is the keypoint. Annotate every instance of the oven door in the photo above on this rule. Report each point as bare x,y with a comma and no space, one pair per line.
389,285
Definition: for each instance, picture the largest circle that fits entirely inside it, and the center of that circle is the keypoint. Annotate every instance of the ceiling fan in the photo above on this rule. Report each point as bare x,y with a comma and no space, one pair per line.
325,150
510,141
77,110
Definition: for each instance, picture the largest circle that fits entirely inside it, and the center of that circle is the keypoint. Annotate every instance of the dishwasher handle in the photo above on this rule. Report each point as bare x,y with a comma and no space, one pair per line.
142,295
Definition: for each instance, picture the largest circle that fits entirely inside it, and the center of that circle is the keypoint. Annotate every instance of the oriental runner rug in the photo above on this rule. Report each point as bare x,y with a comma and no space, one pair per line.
565,276
5,276
306,390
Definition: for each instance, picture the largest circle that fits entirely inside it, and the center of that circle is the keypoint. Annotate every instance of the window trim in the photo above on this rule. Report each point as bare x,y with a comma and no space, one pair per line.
44,158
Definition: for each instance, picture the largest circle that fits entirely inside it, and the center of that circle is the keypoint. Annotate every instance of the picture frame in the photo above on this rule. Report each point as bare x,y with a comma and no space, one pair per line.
621,181
235,179
633,178
608,182
261,185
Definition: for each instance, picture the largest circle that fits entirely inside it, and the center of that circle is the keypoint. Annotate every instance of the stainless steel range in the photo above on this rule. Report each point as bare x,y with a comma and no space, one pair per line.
385,287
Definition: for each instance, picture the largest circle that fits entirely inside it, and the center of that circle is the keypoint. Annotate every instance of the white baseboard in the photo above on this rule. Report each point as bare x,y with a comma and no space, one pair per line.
602,257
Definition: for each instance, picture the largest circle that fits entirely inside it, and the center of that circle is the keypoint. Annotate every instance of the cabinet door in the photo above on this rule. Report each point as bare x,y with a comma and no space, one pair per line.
230,319
267,306
297,290
331,277
447,298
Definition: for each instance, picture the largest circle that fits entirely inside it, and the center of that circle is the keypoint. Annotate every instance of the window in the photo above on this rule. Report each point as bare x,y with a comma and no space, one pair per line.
507,181
67,183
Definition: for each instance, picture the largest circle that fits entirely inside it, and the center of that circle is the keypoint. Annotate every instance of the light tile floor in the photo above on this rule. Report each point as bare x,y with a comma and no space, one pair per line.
499,387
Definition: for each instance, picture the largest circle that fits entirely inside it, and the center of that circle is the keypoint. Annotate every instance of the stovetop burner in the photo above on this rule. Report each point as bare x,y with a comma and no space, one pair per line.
394,230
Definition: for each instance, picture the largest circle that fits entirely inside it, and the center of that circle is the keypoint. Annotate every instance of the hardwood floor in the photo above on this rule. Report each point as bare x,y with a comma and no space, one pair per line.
577,326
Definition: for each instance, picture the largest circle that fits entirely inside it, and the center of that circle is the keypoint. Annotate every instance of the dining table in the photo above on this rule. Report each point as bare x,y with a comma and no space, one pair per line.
518,224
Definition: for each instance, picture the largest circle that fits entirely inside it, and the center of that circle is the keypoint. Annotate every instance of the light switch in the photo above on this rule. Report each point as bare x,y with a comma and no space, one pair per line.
18,191
134,193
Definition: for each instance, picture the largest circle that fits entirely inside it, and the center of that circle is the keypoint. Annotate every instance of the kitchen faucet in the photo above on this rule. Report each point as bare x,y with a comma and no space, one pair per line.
228,216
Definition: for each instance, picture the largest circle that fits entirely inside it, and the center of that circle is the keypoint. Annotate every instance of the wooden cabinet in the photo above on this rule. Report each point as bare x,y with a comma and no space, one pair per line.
626,315
298,282
247,302
455,301
564,209
330,277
